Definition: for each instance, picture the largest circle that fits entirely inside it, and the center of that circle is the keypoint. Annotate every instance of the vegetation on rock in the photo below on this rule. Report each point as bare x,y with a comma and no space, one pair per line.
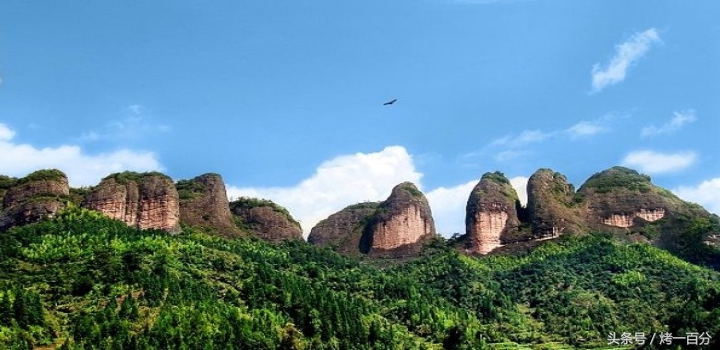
249,203
617,178
132,176
188,189
497,176
42,175
6,182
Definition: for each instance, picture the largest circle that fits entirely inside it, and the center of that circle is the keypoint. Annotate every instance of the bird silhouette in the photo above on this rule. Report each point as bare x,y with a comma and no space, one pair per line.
389,102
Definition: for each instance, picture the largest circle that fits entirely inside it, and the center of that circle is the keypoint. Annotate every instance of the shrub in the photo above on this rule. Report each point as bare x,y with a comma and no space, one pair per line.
42,175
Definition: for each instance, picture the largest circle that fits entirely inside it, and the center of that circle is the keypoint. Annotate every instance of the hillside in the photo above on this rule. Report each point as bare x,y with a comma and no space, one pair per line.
83,281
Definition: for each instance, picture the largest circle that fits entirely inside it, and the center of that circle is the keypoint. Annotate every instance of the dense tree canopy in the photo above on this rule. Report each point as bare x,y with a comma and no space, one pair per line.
82,281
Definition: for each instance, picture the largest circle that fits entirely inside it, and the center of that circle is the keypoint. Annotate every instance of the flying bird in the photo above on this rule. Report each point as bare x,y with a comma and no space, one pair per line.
389,102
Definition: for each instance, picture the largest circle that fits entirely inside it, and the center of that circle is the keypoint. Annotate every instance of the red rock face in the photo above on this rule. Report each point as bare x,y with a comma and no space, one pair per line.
270,225
400,224
147,201
55,187
551,209
343,230
406,227
396,227
39,195
627,220
486,230
161,212
266,219
203,202
491,216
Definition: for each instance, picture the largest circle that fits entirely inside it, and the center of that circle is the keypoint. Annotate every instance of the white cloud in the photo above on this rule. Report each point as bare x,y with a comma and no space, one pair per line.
655,163
337,183
706,194
512,145
136,122
626,54
6,134
90,136
679,119
519,183
448,207
82,169
510,154
522,139
136,109
585,128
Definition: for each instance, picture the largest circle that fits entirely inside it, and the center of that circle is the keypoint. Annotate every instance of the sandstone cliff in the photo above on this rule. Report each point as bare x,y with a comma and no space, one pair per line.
396,227
491,215
551,206
400,225
620,197
204,203
31,198
622,200
265,219
343,230
142,200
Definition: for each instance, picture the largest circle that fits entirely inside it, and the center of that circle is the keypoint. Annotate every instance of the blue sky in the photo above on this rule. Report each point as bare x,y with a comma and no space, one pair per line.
285,99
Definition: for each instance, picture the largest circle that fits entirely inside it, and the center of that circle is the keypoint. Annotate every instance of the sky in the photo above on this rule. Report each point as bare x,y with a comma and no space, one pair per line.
285,99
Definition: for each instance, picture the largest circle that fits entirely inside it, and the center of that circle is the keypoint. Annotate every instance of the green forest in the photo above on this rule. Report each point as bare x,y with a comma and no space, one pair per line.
83,281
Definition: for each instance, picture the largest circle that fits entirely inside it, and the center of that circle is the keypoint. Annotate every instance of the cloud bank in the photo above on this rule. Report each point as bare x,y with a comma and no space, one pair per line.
626,55
706,194
339,182
81,168
651,162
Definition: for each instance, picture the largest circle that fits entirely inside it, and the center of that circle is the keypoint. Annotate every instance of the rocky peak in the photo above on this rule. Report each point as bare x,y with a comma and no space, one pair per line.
204,203
49,182
142,200
402,222
551,208
622,200
491,214
343,230
29,199
265,219
617,196
395,227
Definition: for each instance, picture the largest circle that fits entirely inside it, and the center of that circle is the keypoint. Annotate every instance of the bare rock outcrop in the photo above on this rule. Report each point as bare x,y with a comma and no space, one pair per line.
204,203
343,230
142,200
400,225
622,200
394,228
551,208
621,197
265,219
491,215
29,199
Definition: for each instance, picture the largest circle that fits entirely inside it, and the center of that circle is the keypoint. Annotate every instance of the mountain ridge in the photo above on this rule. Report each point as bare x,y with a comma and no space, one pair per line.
618,200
